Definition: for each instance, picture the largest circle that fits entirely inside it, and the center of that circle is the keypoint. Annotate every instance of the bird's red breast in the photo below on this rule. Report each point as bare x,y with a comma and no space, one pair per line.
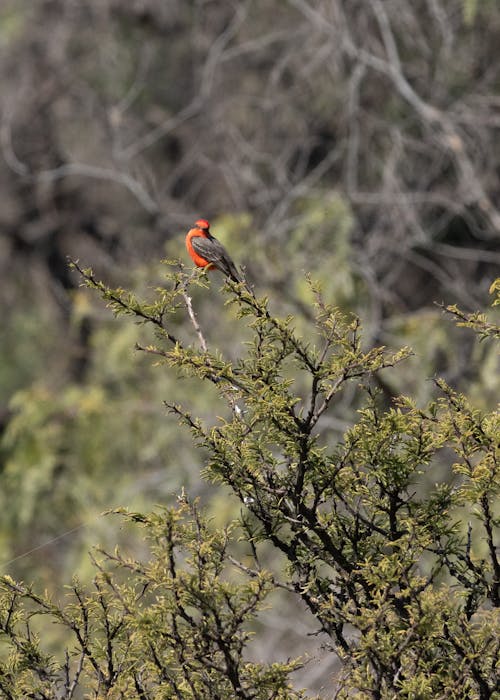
201,230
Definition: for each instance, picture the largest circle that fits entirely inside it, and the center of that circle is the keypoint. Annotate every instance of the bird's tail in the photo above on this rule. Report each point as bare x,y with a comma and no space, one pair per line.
227,266
231,271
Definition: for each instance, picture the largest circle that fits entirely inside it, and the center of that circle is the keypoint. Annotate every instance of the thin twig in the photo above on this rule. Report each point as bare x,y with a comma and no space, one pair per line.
194,320
253,574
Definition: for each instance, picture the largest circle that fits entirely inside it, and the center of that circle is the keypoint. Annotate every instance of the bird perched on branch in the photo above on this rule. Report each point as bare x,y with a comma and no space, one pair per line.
206,251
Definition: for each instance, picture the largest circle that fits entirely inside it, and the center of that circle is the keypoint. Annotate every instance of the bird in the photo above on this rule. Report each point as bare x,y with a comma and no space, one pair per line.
207,252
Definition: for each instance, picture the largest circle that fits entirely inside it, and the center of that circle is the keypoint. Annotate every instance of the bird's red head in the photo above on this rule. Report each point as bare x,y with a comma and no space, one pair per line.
203,224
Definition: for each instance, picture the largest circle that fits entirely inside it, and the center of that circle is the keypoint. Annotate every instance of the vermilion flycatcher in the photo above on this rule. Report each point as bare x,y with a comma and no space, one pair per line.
206,251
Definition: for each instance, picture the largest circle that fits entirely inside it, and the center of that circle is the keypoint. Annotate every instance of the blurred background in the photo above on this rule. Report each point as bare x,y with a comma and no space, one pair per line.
354,141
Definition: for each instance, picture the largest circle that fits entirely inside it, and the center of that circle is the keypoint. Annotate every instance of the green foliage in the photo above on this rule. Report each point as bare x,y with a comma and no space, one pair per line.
324,222
479,321
469,10
73,449
173,627
12,20
407,597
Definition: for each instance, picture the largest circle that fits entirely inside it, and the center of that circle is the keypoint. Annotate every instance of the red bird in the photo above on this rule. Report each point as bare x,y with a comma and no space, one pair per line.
206,251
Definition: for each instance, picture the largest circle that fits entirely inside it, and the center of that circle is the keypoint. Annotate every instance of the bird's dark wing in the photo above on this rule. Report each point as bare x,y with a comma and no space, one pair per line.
215,253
